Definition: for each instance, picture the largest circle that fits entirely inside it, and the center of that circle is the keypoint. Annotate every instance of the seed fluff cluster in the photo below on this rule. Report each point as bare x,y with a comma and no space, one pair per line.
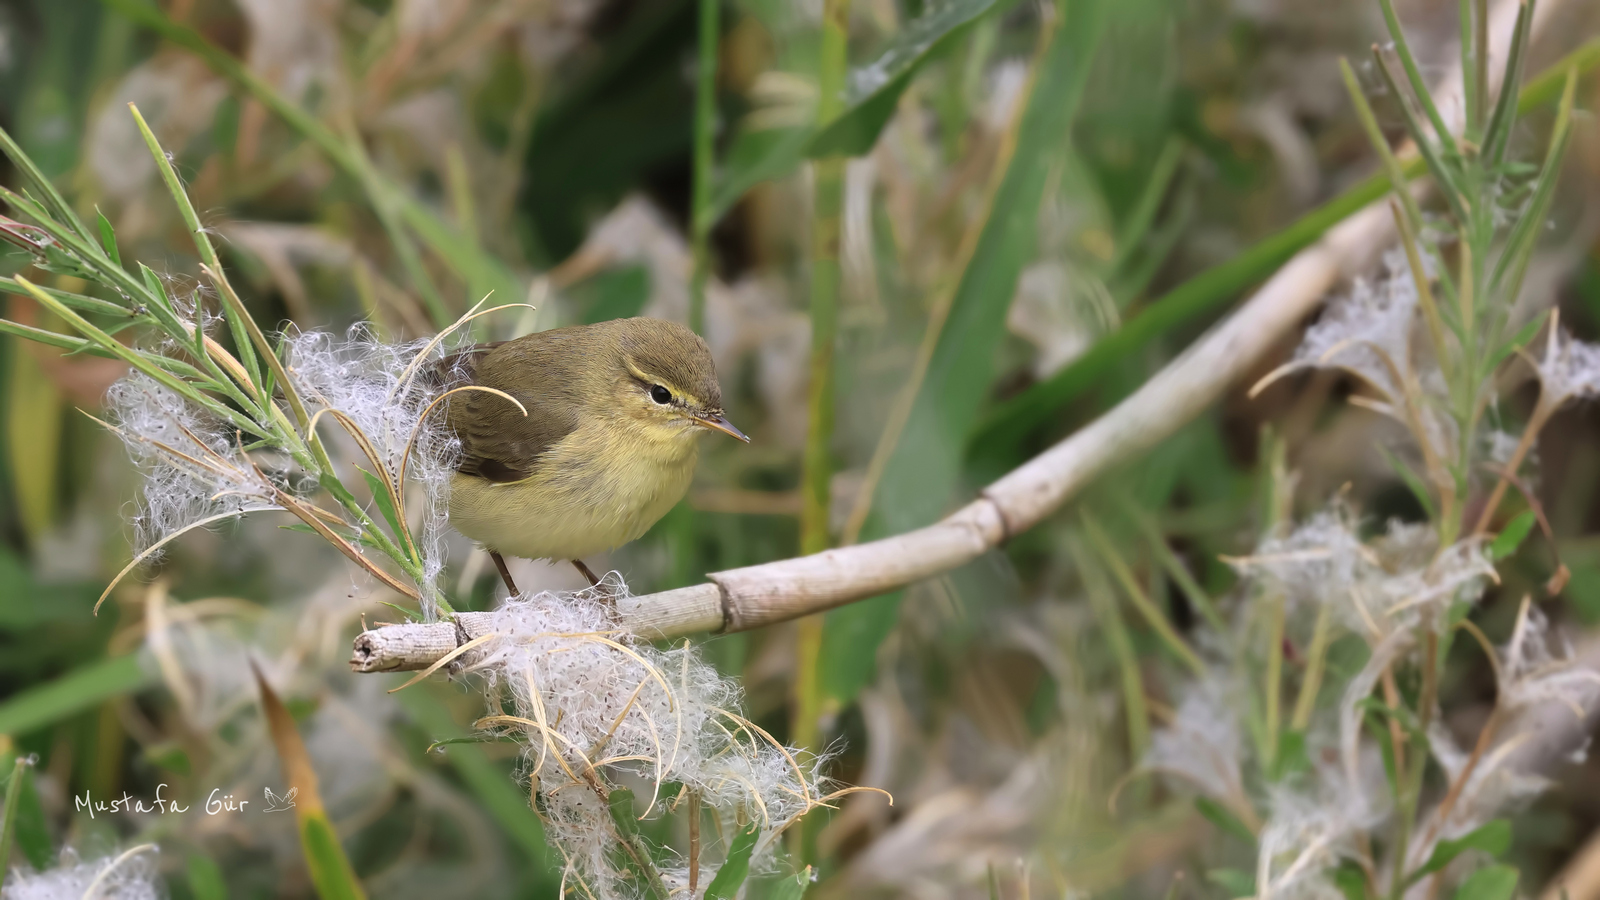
127,876
388,391
597,708
362,394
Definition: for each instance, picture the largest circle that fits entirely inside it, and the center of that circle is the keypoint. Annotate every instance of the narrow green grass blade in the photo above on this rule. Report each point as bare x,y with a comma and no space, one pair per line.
331,872
924,469
816,460
1525,234
58,206
705,133
30,832
8,814
140,360
50,338
68,298
49,703
1419,87
1014,419
1133,230
731,877
86,249
1498,132
202,242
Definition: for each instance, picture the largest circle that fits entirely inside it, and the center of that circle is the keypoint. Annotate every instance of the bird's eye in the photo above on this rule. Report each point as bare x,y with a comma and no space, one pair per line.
660,394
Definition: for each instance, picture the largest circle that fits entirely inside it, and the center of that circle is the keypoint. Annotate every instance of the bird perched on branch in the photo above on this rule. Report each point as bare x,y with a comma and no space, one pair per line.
576,440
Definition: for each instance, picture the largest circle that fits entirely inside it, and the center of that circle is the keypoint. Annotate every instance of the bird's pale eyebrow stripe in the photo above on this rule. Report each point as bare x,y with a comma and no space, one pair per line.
646,380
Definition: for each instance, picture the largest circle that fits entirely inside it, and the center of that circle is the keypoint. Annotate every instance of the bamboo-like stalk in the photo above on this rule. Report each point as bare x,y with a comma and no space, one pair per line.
761,595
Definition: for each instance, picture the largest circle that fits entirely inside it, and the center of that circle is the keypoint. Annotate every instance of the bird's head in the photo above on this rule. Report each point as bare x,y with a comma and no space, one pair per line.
667,382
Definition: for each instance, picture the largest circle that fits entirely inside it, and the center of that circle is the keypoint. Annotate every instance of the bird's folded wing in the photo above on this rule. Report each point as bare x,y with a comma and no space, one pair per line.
498,442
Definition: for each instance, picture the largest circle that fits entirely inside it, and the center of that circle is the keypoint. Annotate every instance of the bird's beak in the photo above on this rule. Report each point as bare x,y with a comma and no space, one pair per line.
719,422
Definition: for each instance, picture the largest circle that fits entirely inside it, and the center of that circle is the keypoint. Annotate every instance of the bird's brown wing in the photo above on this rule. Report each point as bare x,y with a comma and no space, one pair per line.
498,442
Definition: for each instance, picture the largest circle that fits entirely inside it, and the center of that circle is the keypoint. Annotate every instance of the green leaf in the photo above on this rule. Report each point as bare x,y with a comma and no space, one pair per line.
1350,881
481,739
874,92
380,495
108,237
1223,818
15,783
1292,757
1493,883
736,868
1583,592
615,293
1492,837
1413,481
170,757
856,131
1516,342
243,349
760,155
152,283
876,87
330,869
1512,536
621,804
788,887
331,872
205,878
76,301
1235,882
86,686
31,833
57,205
1497,133
924,468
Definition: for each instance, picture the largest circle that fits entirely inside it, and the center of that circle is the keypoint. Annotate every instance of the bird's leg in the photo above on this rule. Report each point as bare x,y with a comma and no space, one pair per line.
505,573
587,573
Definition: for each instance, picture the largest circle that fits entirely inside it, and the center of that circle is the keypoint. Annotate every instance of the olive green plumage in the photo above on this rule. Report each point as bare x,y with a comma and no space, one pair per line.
608,444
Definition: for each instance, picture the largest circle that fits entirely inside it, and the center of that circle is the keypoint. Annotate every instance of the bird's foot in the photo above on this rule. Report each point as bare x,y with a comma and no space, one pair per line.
587,572
602,592
505,573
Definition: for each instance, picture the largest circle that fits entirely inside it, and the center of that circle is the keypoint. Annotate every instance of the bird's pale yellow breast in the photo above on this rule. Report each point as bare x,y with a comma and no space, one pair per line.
601,486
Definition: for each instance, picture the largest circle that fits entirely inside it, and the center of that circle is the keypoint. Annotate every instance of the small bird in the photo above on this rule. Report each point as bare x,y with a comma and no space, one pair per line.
607,447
